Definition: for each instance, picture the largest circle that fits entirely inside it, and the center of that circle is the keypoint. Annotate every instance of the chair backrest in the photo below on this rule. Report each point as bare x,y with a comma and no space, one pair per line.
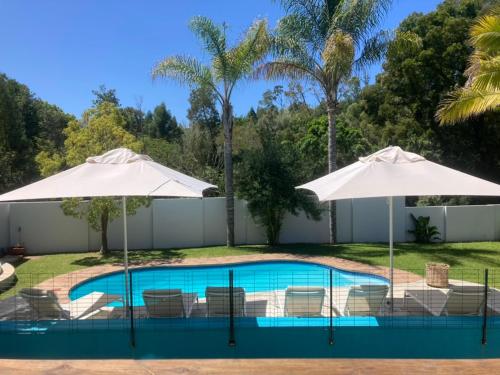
465,300
218,301
304,301
44,303
365,300
166,303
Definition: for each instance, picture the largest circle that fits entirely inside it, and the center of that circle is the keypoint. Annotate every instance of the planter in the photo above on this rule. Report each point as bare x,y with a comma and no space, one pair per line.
436,275
16,250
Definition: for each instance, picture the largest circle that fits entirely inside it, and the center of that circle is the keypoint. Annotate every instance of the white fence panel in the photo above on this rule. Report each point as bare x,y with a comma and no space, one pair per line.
371,220
177,223
201,222
139,229
45,228
4,226
214,218
470,223
298,229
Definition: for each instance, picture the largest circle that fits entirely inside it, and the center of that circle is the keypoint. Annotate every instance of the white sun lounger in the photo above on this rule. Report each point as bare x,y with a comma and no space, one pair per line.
459,300
304,301
45,305
364,300
169,303
218,303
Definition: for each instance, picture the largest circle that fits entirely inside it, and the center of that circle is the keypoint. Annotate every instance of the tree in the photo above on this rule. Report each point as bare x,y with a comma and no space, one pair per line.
105,95
203,112
228,67
161,124
266,178
101,130
322,42
481,92
27,125
399,108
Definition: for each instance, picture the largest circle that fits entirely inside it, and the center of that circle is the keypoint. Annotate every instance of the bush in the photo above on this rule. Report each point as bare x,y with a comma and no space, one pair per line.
266,178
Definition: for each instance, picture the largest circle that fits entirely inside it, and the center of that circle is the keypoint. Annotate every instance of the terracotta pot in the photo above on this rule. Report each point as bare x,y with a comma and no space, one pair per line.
16,250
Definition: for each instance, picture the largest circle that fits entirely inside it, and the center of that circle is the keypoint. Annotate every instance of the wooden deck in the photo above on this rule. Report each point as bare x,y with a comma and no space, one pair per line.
253,366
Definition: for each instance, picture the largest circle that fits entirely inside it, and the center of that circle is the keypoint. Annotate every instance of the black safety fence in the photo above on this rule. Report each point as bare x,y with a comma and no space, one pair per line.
288,295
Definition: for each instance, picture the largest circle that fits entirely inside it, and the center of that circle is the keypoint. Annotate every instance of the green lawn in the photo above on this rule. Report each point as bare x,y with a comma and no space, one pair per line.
467,260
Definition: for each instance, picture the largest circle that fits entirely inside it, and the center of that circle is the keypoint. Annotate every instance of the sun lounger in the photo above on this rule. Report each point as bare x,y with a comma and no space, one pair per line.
218,303
304,301
365,300
169,303
459,300
45,305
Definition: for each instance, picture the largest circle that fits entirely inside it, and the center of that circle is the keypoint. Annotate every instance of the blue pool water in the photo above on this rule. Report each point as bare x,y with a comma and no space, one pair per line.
254,277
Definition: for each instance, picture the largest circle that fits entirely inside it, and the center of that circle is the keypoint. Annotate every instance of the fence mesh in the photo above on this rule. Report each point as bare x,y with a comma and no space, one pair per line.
274,296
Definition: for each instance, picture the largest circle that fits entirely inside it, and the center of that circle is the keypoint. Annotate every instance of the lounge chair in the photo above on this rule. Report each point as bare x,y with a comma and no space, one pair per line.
459,300
304,301
365,300
169,303
218,303
45,305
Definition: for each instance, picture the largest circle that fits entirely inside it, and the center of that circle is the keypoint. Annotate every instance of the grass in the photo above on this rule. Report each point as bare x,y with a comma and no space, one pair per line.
467,260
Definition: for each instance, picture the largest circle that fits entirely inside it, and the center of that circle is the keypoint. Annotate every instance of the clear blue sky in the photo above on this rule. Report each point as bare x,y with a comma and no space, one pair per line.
64,49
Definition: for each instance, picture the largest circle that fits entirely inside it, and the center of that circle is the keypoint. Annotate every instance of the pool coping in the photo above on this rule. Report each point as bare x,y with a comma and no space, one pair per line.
62,284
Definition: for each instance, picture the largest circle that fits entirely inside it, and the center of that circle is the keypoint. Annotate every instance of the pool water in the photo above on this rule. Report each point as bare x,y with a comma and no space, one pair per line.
253,277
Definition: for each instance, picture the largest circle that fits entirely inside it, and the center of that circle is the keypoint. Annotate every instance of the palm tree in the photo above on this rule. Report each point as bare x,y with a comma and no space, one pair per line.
323,41
481,92
228,66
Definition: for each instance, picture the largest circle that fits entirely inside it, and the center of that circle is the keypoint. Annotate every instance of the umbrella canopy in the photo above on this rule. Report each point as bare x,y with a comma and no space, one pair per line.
392,172
116,173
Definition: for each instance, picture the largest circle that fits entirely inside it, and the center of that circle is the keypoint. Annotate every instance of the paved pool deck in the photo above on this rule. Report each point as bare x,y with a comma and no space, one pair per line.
246,366
63,283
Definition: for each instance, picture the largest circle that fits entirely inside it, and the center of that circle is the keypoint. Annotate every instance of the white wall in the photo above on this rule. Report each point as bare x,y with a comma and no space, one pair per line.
470,223
4,226
201,222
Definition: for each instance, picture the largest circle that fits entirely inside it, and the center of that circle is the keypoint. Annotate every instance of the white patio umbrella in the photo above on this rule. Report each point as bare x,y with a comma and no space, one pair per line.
392,172
116,173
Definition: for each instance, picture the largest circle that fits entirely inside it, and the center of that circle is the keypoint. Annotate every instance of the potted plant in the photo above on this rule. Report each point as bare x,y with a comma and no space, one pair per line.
18,249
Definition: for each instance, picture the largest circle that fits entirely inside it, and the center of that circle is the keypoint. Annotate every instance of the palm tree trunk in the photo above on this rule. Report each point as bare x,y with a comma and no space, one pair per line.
227,123
331,106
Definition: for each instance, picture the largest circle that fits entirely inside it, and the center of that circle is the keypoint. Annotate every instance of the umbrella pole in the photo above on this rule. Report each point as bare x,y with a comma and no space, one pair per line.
125,253
391,252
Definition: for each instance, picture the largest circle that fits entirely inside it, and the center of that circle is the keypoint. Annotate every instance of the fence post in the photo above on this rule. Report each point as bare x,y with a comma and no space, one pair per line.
232,341
131,308
485,309
330,340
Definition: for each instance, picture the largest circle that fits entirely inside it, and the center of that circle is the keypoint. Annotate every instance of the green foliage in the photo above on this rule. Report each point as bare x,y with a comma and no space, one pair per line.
98,209
482,90
399,108
161,124
101,130
266,178
27,126
424,232
105,95
229,65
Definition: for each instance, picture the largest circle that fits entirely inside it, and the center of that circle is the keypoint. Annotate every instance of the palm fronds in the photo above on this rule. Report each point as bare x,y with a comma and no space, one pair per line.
482,90
465,103
338,56
185,70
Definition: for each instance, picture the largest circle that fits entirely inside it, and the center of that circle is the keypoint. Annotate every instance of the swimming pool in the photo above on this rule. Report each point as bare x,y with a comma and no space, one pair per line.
254,277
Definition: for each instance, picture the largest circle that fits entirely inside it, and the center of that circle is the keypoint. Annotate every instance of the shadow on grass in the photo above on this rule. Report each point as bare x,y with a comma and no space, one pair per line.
407,255
375,254
136,257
